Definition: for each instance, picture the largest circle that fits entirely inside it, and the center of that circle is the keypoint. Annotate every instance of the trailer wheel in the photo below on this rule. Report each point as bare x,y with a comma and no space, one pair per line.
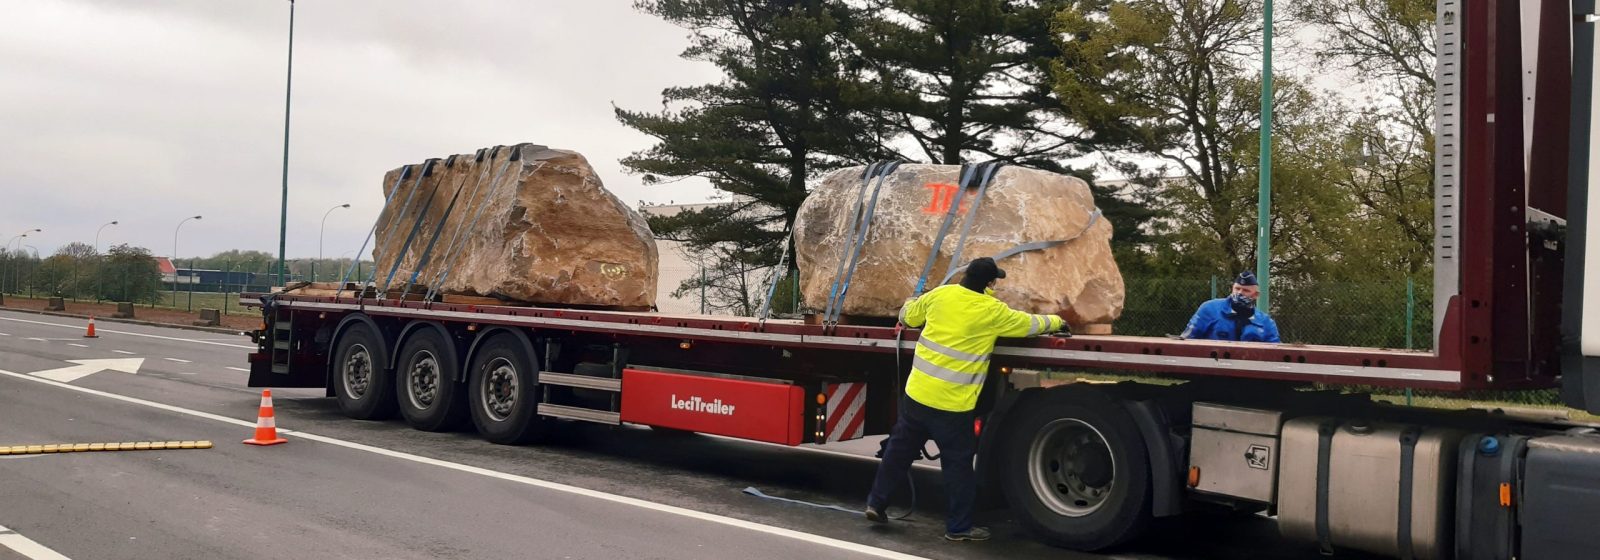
1076,470
364,389
430,399
503,393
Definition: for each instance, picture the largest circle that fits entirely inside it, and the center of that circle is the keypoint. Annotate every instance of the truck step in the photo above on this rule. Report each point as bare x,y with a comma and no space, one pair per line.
280,369
584,414
280,344
580,381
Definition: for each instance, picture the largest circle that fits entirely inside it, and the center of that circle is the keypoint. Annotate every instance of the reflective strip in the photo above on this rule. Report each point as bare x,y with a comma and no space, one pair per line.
949,352
266,422
945,374
1033,325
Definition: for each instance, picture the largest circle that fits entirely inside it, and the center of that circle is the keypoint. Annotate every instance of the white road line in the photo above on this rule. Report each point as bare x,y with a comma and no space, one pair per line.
5,334
187,373
78,345
26,546
38,339
548,485
177,360
75,327
123,352
238,369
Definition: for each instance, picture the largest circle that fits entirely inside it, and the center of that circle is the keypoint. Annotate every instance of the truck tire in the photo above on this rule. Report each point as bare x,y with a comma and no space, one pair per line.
360,381
1076,471
428,394
502,392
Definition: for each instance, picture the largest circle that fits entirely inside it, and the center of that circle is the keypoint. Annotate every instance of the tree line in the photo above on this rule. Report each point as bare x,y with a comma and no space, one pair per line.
133,274
1163,93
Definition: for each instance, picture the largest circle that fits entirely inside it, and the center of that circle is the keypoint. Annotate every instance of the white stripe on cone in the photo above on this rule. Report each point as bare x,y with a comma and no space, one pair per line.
266,422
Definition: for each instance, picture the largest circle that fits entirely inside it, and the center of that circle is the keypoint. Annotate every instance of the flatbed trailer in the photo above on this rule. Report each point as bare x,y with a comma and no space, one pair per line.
1255,427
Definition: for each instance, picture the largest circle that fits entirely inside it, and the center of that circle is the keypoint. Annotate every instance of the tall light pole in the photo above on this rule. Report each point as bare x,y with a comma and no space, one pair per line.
97,235
320,233
175,258
1264,197
283,212
3,274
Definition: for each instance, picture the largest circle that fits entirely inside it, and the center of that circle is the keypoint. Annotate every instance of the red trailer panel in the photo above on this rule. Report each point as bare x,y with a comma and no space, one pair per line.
770,412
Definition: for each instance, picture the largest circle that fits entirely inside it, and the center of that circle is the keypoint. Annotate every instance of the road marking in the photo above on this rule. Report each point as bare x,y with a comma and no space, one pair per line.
26,546
238,369
187,373
5,334
75,327
38,339
538,483
177,360
123,352
78,345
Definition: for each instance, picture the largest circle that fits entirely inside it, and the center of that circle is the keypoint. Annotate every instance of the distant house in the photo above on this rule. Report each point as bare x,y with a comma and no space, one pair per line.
202,277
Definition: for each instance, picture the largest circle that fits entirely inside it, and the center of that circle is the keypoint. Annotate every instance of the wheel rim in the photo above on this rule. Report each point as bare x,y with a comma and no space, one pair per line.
499,389
357,371
1071,467
422,386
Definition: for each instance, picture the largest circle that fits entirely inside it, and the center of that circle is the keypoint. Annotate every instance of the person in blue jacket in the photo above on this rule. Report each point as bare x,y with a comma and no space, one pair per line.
1234,317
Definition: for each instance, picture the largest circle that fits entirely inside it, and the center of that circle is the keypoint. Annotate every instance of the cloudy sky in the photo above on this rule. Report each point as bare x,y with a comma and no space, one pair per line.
150,111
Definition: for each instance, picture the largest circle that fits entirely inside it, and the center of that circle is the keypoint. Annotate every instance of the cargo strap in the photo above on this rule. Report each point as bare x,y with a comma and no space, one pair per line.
1408,454
433,240
1325,432
1036,245
964,178
972,214
457,238
393,190
860,226
777,275
411,237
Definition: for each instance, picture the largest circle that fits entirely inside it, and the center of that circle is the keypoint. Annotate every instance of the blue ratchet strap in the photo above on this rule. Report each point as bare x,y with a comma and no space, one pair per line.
427,252
777,274
861,239
972,214
450,247
410,237
855,219
393,190
965,177
427,168
494,187
1034,246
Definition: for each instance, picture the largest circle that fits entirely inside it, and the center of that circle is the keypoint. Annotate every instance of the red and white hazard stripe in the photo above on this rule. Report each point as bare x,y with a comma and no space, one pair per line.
846,403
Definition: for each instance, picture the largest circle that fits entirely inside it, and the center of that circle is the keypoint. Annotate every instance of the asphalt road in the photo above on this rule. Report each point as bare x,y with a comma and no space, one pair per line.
351,489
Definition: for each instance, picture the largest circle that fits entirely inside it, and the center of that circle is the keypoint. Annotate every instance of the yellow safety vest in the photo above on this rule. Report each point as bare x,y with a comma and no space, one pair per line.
959,327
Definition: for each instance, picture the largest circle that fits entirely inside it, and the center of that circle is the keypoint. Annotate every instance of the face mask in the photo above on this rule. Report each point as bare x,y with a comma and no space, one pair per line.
1242,303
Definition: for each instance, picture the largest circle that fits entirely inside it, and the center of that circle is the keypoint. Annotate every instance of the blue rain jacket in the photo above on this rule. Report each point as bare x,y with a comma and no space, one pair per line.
1216,320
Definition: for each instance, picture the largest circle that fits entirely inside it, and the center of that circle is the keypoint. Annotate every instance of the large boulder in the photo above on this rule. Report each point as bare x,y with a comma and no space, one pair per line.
1078,279
535,226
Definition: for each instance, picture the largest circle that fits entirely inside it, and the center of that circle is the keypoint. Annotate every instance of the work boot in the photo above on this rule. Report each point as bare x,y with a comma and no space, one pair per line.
973,534
876,515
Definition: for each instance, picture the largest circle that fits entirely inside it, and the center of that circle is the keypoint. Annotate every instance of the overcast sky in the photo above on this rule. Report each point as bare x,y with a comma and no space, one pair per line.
150,111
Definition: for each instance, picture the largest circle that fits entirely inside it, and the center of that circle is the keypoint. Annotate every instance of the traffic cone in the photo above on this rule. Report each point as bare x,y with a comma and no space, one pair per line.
266,427
90,332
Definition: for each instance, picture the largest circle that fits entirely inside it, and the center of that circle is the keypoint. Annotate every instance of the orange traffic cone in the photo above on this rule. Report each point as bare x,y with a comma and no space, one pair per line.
90,332
266,427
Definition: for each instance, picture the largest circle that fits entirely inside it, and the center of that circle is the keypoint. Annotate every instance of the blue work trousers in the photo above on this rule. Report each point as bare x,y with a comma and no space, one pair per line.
953,433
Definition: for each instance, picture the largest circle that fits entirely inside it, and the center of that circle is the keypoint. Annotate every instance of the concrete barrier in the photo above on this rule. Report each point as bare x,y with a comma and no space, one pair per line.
56,304
124,310
209,318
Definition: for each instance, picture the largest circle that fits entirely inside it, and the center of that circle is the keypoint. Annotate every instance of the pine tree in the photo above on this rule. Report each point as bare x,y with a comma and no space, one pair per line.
777,119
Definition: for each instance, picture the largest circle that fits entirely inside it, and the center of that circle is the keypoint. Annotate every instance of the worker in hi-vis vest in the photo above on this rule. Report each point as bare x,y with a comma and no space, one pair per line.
960,323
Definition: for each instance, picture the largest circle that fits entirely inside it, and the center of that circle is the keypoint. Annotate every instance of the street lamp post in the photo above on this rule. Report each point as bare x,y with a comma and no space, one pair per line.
33,269
320,232
175,260
100,279
288,89
5,274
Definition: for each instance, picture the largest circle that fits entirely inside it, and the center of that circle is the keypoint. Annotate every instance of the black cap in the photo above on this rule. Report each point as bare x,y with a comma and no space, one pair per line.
982,270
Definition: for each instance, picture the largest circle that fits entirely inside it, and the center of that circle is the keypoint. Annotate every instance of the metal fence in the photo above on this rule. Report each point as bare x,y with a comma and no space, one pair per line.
1370,314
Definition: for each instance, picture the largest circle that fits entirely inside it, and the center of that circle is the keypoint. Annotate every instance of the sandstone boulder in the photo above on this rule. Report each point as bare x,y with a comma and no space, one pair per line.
1078,279
535,224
